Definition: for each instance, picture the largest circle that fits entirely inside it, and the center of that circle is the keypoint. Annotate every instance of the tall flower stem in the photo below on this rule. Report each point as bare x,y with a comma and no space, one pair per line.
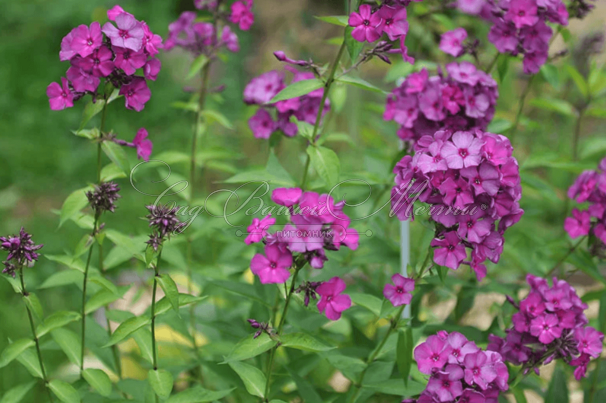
563,258
33,327
329,81
84,284
516,122
153,314
272,354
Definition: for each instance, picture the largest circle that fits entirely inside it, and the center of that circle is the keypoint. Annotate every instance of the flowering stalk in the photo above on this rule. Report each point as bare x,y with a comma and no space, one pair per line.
298,265
33,327
329,81
84,283
516,122
153,314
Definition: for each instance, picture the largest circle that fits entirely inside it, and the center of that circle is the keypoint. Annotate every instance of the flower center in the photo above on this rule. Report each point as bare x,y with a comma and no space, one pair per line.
123,34
463,152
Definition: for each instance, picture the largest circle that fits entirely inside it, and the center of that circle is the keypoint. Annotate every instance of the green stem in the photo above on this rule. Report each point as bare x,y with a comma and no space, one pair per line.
394,325
84,284
594,381
329,81
33,327
563,258
493,63
272,354
577,134
101,127
514,128
153,310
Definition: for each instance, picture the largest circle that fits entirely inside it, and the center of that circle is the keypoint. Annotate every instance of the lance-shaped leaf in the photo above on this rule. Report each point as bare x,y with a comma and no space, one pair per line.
127,328
253,378
161,382
14,350
70,344
64,391
305,342
326,163
72,205
170,289
98,380
250,347
16,394
298,89
117,155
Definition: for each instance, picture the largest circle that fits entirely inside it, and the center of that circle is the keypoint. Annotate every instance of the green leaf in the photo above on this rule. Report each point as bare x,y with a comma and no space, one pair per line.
404,352
34,305
326,163
340,20
117,155
305,389
14,350
275,167
499,125
14,283
90,110
161,382
503,66
127,328
197,65
370,302
551,75
75,202
253,378
125,242
170,289
98,380
56,320
249,347
305,342
519,395
87,133
102,298
556,105
297,89
29,360
69,261
579,80
64,391
111,171
164,305
16,394
584,261
198,394
143,338
397,387
353,47
70,344
358,82
105,283
215,116
558,389
447,23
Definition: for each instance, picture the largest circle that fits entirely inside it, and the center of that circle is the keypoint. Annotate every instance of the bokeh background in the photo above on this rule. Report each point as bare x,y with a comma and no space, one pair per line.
41,162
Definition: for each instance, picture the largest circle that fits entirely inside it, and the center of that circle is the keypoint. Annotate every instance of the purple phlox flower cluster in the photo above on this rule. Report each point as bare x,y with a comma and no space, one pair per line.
21,251
422,105
316,224
277,116
164,222
550,324
370,22
128,46
400,292
580,8
589,187
471,182
453,43
103,197
520,26
309,289
141,143
202,38
459,370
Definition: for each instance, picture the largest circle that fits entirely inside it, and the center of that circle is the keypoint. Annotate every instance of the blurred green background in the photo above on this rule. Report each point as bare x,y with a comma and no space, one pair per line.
42,162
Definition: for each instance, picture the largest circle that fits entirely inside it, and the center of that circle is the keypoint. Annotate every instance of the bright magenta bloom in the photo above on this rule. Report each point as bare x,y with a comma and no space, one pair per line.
451,42
332,301
136,94
60,96
258,229
400,292
85,40
241,14
272,268
286,196
143,145
367,25
129,33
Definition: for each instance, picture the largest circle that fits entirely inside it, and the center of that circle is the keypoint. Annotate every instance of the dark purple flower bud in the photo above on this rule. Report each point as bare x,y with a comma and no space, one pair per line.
9,269
155,241
281,56
257,334
164,219
254,323
103,197
512,302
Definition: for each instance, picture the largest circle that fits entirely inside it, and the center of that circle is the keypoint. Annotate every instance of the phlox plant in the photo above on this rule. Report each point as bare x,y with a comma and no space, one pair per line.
396,153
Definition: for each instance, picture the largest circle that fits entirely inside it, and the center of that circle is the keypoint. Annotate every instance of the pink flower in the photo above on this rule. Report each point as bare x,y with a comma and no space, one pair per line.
260,90
463,151
470,395
229,39
460,347
522,13
143,144
241,14
447,386
504,37
151,69
533,61
590,341
464,72
483,179
415,82
546,328
262,124
578,224
136,94
286,196
399,293
151,42
67,52
475,227
433,160
395,24
471,6
129,33
129,61
86,40
332,302
272,268
433,353
451,42
59,96
450,252
115,11
99,62
81,80
258,229
456,193
479,370
533,305
476,103
367,25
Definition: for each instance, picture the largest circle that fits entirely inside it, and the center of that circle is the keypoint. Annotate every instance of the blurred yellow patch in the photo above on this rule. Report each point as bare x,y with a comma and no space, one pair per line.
248,276
181,280
167,334
131,369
